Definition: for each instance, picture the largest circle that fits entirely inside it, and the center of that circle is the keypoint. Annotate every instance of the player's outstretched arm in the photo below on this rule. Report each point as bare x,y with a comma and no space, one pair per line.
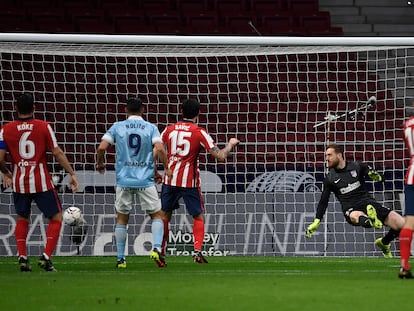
375,176
222,154
312,227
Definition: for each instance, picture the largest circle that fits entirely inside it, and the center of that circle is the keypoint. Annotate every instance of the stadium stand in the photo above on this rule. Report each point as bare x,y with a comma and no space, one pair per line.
181,17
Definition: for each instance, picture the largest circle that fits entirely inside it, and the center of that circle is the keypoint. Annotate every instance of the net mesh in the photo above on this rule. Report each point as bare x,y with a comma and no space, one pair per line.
271,98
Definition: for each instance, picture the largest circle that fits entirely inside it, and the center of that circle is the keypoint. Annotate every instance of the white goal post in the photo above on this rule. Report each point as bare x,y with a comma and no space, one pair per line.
270,92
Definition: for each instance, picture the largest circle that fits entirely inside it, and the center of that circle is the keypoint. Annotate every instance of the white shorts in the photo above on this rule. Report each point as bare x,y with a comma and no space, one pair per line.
148,198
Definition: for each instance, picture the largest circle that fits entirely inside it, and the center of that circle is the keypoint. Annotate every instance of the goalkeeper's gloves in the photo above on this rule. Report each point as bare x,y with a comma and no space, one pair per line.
312,227
375,176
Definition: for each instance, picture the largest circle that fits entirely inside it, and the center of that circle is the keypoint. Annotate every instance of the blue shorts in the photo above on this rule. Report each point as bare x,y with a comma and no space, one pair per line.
191,196
48,203
409,200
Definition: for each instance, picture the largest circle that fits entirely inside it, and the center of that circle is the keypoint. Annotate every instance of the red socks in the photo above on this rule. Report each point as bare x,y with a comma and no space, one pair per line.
21,231
198,232
406,236
52,235
165,237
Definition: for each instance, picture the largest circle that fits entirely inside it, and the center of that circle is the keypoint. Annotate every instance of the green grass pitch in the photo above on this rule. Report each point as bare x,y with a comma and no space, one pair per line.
225,283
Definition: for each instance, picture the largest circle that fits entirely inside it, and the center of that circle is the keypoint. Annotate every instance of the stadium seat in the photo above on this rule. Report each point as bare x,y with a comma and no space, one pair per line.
79,15
242,25
192,7
300,6
229,7
133,25
16,26
266,7
157,6
47,15
320,20
93,27
167,24
12,15
77,4
277,24
29,4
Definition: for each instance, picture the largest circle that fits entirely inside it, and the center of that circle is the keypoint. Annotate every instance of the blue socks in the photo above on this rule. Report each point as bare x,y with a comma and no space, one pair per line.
157,228
120,238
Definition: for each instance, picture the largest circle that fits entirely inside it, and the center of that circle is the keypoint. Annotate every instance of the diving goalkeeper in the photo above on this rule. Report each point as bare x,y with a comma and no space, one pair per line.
347,181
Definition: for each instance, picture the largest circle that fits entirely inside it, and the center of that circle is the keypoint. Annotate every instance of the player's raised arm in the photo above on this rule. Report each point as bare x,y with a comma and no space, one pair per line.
222,154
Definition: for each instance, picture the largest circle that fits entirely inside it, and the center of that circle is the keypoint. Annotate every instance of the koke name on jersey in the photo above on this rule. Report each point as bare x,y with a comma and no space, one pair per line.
25,127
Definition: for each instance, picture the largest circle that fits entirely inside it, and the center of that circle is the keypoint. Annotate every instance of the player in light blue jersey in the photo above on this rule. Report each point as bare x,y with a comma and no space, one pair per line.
138,144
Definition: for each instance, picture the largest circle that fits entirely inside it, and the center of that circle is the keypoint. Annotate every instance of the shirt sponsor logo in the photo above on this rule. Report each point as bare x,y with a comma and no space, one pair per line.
350,187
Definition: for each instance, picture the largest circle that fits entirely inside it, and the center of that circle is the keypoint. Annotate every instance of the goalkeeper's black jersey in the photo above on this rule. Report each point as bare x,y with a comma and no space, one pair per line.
348,184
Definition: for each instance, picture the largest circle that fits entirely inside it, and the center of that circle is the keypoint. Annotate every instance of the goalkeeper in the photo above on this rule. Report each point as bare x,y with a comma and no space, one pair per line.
347,181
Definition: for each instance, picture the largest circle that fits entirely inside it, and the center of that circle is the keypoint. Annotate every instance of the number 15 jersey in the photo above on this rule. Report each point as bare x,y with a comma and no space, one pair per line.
184,141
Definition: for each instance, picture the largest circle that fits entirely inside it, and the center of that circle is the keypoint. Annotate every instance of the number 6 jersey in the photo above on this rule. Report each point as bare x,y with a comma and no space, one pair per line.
27,141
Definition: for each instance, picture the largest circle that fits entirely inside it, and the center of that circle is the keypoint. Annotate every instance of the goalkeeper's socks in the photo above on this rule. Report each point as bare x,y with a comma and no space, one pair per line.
364,221
406,236
21,231
120,238
391,235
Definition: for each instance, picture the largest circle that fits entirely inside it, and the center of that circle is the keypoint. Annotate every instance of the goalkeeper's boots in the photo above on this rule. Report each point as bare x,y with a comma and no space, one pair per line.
372,215
199,258
121,263
46,264
405,274
158,258
386,248
24,264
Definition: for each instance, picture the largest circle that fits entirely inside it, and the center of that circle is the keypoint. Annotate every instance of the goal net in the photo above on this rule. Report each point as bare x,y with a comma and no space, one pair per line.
275,98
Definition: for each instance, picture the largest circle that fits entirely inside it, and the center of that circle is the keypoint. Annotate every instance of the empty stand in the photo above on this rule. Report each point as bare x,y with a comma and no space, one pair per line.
302,6
278,24
242,25
266,7
192,7
167,24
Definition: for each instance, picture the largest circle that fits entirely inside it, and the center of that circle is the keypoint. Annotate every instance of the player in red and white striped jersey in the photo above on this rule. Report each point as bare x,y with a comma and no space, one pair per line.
27,140
184,141
406,233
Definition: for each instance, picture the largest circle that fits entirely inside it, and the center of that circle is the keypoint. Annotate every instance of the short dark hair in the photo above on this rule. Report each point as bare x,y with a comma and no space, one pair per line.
134,105
337,148
25,104
190,108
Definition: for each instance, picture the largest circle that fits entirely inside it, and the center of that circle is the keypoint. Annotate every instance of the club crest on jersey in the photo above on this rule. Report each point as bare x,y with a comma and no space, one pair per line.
354,173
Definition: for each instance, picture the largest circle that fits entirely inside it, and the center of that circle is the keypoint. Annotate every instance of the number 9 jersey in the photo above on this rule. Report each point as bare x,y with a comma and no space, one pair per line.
184,141
27,141
134,139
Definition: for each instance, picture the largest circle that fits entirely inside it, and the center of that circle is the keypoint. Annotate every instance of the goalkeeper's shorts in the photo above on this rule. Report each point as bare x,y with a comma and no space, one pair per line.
382,211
